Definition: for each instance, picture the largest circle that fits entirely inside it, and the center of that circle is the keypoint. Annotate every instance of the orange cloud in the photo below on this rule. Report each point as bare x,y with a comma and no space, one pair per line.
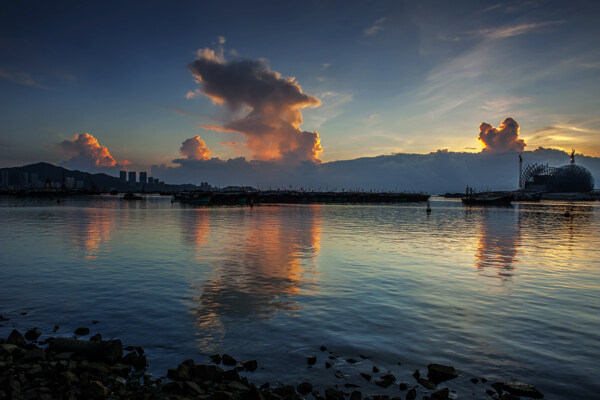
87,153
194,148
272,127
501,139
229,143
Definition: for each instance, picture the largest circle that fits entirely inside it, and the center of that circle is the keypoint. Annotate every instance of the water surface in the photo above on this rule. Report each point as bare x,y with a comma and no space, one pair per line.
504,293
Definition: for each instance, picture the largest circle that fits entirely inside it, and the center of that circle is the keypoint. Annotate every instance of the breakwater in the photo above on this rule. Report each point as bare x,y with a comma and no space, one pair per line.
295,197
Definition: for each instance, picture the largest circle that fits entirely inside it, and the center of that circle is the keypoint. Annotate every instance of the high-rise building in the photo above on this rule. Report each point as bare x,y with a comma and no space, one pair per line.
150,180
123,175
70,182
143,177
132,176
155,181
24,179
5,180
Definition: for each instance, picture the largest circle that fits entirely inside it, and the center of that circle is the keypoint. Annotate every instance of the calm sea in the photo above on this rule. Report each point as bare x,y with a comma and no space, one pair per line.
501,293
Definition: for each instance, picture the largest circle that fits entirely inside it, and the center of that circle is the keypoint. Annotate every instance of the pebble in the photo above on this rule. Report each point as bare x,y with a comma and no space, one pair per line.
216,358
365,375
32,334
82,331
311,360
323,348
328,364
304,388
411,394
228,360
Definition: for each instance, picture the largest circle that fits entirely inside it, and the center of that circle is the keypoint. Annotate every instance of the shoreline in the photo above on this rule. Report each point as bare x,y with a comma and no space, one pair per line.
72,368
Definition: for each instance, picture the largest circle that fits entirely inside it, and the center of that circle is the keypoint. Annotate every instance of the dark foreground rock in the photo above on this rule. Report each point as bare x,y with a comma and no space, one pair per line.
74,369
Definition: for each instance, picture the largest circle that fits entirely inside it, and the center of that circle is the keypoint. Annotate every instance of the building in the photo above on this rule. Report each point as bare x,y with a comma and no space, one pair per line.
123,176
155,181
143,177
150,180
5,179
570,178
24,179
132,178
70,182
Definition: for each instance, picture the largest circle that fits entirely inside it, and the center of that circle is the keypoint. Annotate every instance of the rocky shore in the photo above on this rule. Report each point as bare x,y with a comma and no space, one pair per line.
71,368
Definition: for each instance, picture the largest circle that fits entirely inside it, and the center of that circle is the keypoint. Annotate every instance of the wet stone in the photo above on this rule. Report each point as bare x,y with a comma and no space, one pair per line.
403,386
411,394
521,389
304,388
440,394
32,334
228,360
193,388
323,348
366,376
375,369
416,374
16,338
328,364
82,331
351,360
474,380
356,395
34,354
351,385
96,338
440,373
426,383
97,390
216,358
332,394
311,360
231,375
250,365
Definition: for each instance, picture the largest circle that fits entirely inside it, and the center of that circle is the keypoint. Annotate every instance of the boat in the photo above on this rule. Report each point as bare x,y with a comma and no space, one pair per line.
132,196
193,197
487,198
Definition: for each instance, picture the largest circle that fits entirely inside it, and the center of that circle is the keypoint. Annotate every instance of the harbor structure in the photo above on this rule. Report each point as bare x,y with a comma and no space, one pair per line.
542,178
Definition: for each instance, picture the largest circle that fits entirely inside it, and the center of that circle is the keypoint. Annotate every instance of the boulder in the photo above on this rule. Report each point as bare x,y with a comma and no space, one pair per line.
82,331
332,394
250,365
521,389
106,350
304,388
32,334
366,376
311,360
216,358
16,338
440,394
411,394
228,360
439,373
356,395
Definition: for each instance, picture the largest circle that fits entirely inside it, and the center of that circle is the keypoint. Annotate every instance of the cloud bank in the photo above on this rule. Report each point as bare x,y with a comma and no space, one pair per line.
501,139
274,105
194,148
88,155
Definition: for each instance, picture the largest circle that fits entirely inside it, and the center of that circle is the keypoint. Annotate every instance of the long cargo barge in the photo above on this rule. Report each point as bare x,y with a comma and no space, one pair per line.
295,197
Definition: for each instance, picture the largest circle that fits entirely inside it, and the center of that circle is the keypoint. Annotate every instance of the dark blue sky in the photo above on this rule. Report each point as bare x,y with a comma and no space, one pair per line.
392,76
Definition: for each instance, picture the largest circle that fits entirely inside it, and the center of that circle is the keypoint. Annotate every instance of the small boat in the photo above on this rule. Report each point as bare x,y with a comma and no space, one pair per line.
132,196
487,198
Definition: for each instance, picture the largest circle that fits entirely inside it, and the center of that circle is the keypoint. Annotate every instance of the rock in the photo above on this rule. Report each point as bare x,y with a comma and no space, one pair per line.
403,386
351,360
34,354
440,394
490,392
332,394
96,338
70,377
193,388
323,348
362,356
474,380
339,374
285,391
82,331
172,374
351,385
184,372
426,383
94,322
304,388
201,373
216,358
228,360
56,328
386,380
250,365
440,373
411,394
135,360
366,376
15,338
332,357
172,388
97,390
483,380
32,334
356,395
375,369
231,375
522,389
416,374
328,364
311,360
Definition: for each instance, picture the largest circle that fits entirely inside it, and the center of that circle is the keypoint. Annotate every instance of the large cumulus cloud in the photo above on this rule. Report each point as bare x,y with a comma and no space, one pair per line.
502,139
194,148
87,154
274,106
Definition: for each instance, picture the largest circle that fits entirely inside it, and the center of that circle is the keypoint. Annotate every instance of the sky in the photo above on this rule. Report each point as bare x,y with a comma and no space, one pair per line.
152,85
